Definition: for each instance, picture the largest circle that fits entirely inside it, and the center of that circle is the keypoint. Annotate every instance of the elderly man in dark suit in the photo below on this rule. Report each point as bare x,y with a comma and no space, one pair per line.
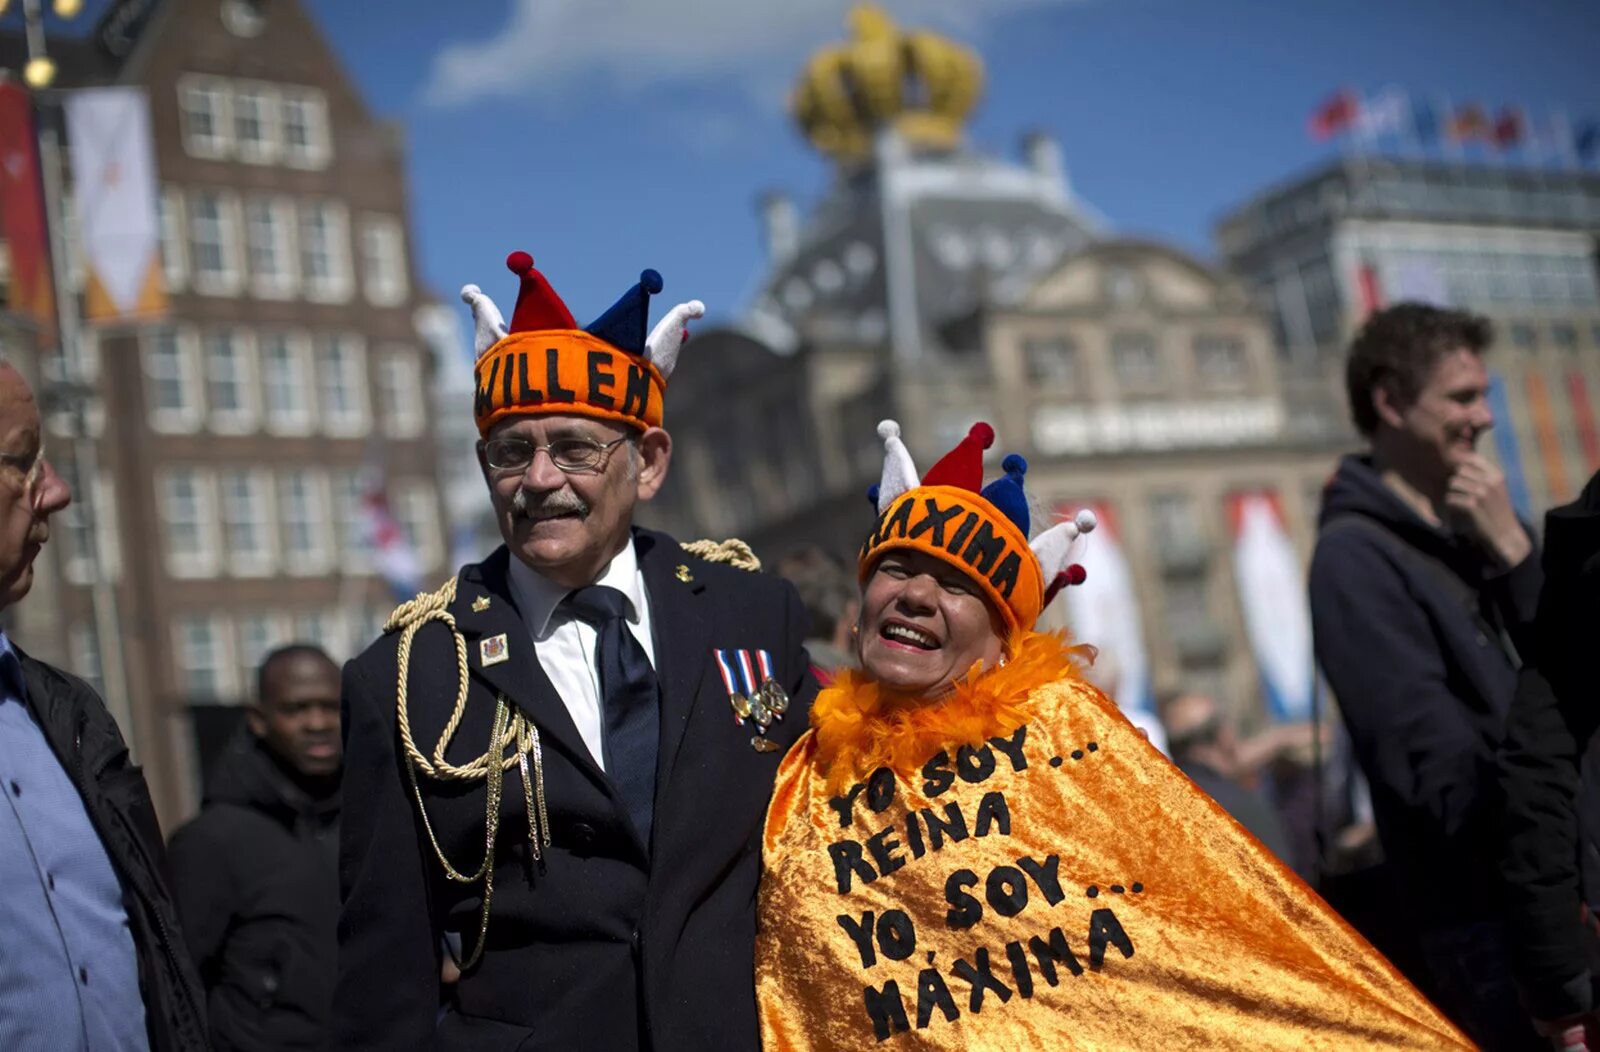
601,708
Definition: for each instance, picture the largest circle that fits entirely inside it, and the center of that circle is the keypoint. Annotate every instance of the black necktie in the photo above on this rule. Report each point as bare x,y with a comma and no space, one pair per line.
630,699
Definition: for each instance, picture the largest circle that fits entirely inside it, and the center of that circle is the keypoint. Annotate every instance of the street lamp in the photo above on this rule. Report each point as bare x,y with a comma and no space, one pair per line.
71,388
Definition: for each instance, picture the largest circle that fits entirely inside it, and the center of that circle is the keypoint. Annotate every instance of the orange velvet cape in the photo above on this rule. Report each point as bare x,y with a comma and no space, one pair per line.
1054,882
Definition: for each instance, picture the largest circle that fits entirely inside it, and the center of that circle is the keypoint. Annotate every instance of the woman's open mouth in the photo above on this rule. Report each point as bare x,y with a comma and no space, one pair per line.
898,633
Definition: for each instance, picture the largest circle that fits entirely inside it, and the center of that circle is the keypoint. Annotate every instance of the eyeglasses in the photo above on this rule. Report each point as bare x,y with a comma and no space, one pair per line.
571,455
32,467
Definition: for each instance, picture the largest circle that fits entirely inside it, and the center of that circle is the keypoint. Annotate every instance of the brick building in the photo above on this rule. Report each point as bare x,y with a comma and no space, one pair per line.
238,435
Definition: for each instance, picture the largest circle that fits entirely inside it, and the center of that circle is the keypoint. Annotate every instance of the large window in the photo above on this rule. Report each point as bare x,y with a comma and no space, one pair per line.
260,633
247,524
204,114
287,396
417,513
399,376
174,253
256,124
172,380
349,491
1219,360
325,251
230,381
83,655
269,239
1054,362
205,669
303,513
186,499
383,260
213,242
1135,360
306,142
341,383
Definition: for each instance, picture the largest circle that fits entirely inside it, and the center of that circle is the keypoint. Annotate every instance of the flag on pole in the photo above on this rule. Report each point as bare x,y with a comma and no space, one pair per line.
392,553
1386,113
1368,288
1335,115
1509,129
1424,122
22,219
1470,123
1586,141
114,189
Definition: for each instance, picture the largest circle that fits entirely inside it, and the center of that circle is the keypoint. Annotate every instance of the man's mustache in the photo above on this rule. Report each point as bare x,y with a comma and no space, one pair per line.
560,502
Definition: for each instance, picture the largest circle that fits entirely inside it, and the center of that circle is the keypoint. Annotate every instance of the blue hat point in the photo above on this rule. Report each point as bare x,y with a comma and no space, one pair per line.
1006,492
626,325
872,496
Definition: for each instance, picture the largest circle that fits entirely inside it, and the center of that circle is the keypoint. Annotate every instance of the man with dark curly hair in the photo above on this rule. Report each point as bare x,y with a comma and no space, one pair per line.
1422,582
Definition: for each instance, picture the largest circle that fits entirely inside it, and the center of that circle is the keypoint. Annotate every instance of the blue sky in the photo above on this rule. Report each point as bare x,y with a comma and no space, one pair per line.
604,136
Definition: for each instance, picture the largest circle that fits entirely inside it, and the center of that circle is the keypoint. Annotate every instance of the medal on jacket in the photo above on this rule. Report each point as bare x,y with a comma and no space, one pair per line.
753,694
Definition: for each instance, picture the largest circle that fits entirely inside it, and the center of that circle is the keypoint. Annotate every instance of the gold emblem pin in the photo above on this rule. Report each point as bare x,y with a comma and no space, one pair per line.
760,744
493,651
480,604
683,573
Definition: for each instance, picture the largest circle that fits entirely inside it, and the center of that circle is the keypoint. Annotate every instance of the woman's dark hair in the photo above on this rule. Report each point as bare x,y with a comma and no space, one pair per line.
1397,349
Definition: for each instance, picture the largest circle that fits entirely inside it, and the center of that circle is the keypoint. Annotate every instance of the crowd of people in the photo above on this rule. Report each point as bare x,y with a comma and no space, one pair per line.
607,790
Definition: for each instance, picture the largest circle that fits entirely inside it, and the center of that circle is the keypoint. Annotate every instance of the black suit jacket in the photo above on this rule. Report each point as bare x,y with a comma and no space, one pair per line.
604,945
1549,770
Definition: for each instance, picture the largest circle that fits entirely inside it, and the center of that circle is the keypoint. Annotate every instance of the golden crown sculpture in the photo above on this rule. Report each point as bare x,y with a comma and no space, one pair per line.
920,83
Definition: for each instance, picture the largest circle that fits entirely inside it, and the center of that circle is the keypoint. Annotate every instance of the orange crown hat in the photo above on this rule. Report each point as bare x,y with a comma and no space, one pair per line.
614,369
982,530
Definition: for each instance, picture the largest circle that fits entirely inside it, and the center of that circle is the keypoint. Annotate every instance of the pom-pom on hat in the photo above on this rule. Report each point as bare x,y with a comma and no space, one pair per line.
615,369
983,532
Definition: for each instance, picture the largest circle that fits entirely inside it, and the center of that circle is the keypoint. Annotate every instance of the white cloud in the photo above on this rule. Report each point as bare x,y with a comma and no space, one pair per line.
634,44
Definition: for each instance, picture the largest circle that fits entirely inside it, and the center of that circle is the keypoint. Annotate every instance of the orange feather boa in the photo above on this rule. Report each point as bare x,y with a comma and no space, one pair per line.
861,725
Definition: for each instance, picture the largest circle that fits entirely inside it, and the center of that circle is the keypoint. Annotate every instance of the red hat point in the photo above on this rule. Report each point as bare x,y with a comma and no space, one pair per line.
538,306
963,466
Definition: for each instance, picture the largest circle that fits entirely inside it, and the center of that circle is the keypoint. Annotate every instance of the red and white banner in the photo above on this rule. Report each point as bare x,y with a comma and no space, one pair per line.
1103,611
1272,595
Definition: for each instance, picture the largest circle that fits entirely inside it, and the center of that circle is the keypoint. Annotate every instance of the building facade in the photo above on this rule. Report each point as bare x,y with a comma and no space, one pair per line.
1518,245
242,435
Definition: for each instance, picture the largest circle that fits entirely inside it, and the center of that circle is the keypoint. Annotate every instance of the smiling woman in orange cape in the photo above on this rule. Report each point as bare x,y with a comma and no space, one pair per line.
973,849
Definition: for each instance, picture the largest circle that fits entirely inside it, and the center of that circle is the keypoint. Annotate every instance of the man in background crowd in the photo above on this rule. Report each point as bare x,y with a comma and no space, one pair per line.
1422,583
91,958
257,873
1202,742
829,593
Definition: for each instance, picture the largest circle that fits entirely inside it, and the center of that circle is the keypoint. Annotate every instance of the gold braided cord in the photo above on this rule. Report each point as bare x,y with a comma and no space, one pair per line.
732,552
511,731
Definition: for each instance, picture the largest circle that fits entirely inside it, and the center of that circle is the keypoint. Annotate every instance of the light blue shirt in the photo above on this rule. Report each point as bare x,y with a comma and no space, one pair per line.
69,974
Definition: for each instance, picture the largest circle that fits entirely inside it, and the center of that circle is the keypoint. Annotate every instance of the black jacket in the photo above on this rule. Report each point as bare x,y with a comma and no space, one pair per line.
1549,735
602,946
256,877
1414,630
86,740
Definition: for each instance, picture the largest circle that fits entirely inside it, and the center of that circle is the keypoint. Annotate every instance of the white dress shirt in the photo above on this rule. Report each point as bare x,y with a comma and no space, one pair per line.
565,645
